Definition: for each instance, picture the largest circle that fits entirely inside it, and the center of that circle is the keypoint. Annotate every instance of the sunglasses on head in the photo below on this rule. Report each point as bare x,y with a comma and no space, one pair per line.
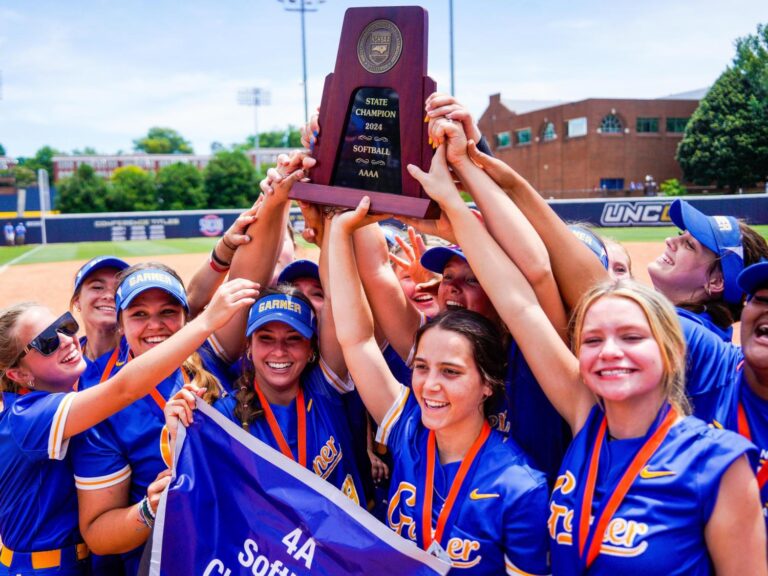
47,342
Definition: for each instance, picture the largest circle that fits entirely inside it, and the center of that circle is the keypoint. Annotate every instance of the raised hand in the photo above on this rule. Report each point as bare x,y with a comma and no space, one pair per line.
230,297
438,105
410,263
351,220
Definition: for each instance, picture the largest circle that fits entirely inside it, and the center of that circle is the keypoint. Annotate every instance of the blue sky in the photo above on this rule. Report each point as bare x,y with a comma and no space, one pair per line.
100,73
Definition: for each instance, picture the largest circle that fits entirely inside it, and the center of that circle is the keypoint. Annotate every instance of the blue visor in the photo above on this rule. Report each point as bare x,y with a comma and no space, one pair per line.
299,269
754,278
437,257
282,308
591,241
721,234
143,280
97,264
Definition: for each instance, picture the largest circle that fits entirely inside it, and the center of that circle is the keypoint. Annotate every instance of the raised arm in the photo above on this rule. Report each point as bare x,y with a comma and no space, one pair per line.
574,266
555,368
395,315
256,260
506,223
213,270
138,377
354,320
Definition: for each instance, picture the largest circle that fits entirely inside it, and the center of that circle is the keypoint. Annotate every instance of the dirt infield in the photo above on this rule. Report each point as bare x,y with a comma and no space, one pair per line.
51,284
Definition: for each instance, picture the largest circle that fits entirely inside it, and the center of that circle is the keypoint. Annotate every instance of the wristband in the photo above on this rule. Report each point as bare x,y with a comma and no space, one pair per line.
219,261
215,267
146,516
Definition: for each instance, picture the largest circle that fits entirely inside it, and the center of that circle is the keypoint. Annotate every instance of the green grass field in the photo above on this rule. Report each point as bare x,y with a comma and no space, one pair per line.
146,248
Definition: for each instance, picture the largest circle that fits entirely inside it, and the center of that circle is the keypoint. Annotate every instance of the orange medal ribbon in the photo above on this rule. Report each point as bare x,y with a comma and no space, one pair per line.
743,429
301,417
154,393
429,484
639,461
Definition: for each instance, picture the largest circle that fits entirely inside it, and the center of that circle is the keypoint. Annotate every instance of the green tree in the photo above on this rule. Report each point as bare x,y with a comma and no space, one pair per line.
162,141
131,189
672,187
2,150
82,192
24,176
43,158
726,140
288,138
87,151
230,181
180,187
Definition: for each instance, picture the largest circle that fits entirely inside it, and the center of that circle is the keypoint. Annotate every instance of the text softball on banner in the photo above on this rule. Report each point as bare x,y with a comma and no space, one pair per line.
236,506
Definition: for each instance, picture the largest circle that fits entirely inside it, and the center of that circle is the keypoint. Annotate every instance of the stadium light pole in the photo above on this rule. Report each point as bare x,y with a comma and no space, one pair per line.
255,97
303,6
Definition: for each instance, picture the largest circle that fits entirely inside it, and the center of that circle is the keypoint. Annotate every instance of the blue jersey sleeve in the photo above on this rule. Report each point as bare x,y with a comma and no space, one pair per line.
97,459
226,406
398,424
724,449
526,537
711,367
38,424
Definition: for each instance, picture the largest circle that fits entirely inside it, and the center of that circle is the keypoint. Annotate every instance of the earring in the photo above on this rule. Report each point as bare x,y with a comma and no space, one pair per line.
312,357
31,384
248,355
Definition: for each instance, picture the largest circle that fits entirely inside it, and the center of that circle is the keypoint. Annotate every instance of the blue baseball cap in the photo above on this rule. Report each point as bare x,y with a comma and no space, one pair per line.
722,235
282,308
299,269
437,257
97,264
591,241
143,280
754,278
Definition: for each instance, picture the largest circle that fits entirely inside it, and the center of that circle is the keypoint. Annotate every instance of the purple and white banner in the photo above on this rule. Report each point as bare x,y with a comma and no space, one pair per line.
236,506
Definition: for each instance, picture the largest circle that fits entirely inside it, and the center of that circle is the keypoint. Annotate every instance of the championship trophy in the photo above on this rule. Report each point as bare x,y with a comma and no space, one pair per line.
372,116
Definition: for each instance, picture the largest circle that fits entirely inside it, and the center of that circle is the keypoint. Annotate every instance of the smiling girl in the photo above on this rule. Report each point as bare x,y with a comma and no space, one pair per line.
643,488
123,461
40,362
459,489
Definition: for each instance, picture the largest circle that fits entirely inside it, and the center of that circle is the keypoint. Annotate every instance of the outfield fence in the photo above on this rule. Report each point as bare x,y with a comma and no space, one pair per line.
129,226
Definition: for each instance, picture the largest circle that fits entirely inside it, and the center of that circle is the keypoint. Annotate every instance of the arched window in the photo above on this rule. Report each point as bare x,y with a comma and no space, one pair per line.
611,124
548,132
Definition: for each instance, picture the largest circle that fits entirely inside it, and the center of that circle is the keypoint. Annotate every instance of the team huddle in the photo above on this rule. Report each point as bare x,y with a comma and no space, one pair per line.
493,385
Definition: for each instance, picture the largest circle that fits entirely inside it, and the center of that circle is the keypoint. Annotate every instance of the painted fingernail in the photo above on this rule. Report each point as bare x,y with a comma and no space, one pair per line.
426,118
431,141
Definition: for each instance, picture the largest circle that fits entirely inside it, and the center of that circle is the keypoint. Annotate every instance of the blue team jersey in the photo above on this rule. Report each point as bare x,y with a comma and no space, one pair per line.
397,365
705,320
38,502
716,385
659,525
330,454
131,444
499,520
529,417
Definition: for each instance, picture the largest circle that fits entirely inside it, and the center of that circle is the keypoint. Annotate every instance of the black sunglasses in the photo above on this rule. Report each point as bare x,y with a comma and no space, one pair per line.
47,342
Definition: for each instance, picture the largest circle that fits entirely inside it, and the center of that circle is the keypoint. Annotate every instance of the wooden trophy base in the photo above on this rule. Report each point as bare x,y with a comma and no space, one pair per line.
381,202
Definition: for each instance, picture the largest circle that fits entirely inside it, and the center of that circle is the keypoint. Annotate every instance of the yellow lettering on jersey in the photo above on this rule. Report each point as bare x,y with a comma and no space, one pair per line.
349,490
620,538
460,550
329,457
399,522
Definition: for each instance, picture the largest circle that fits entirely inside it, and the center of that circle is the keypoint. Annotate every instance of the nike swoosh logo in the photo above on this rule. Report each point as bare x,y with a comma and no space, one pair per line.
119,363
475,495
651,474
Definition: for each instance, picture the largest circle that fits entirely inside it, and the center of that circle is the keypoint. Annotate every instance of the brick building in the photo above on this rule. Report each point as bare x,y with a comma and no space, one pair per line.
589,147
